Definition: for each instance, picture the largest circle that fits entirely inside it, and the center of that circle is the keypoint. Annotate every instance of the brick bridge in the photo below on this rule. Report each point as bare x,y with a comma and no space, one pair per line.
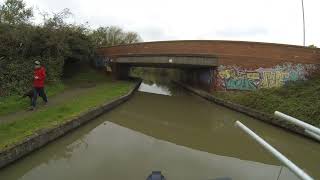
218,65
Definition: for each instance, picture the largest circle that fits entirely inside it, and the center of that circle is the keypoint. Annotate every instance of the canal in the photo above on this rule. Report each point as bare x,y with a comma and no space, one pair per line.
165,128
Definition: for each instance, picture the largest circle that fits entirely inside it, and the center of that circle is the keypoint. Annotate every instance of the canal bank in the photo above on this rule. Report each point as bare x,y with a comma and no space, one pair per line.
299,99
24,132
165,128
246,110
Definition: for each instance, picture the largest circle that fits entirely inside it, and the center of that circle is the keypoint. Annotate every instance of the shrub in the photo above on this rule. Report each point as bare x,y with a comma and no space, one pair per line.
54,43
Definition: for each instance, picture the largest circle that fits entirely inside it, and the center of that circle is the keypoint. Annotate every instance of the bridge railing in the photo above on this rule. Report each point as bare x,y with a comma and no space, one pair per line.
291,166
312,131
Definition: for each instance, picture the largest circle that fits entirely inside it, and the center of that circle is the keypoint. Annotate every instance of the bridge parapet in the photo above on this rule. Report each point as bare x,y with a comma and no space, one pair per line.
246,54
168,61
233,65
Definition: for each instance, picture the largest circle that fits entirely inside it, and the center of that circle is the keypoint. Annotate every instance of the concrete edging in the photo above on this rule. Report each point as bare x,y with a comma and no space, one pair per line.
43,137
246,110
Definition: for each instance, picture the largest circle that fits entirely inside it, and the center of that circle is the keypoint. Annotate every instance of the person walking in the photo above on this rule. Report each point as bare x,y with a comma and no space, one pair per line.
38,84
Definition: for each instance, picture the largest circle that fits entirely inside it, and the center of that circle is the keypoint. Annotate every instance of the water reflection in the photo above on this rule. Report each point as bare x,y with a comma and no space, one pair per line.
115,152
155,89
157,80
182,135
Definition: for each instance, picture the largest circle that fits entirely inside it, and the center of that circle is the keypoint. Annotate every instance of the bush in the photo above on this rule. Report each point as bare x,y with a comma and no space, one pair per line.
20,47
22,44
54,43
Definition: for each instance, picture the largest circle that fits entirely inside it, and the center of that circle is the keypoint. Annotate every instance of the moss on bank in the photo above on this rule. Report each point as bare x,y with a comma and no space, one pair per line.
299,99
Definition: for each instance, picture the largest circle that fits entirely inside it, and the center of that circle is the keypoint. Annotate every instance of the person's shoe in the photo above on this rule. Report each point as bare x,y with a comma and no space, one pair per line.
45,103
32,108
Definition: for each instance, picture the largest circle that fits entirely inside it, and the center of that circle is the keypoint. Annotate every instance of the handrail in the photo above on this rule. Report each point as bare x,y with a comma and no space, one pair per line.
312,134
298,122
295,169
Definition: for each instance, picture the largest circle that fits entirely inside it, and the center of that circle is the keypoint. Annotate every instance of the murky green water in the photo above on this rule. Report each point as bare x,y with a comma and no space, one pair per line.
167,129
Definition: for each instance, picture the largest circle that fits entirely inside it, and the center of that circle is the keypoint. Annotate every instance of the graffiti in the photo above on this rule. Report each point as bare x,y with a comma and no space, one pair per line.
273,79
253,75
227,74
240,84
236,78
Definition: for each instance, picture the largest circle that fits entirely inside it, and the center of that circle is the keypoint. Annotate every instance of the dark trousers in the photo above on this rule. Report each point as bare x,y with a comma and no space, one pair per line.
38,91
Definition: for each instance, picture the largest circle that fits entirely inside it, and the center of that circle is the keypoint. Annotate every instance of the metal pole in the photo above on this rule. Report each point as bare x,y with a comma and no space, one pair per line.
297,122
295,169
312,134
304,26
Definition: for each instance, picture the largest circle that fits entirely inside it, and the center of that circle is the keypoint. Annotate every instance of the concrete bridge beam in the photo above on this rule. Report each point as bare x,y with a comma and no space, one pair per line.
169,61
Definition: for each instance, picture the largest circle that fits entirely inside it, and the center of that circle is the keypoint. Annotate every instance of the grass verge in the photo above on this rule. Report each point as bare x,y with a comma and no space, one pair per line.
15,103
299,99
13,132
82,76
97,89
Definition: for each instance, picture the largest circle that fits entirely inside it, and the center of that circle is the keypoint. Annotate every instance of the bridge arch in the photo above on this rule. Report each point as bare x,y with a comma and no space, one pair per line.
234,65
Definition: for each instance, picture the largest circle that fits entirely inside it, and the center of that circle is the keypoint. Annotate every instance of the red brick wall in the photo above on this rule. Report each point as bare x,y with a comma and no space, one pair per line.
245,54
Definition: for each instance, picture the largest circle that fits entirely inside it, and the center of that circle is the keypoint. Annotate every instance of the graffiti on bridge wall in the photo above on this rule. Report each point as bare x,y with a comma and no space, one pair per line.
237,78
273,79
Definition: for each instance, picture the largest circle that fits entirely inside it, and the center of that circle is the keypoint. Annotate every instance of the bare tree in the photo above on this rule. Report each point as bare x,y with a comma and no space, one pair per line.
113,35
58,19
15,12
132,37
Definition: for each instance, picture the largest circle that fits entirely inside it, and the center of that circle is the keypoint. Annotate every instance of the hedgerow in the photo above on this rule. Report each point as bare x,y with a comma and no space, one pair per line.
53,42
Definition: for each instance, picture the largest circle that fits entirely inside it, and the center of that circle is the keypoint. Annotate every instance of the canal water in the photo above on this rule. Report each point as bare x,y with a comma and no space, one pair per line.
164,128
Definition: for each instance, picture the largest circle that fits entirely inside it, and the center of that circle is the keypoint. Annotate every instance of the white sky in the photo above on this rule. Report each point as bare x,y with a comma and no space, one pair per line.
278,21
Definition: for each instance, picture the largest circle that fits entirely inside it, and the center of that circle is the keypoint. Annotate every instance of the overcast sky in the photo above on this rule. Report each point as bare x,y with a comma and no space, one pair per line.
278,21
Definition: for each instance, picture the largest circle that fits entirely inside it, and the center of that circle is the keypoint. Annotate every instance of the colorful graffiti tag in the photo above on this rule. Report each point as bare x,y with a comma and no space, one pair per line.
237,78
241,80
273,79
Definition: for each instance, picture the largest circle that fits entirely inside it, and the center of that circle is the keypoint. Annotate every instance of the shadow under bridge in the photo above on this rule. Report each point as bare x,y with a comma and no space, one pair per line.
197,70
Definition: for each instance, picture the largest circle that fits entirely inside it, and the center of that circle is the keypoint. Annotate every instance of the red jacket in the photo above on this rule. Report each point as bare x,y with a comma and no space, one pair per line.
39,77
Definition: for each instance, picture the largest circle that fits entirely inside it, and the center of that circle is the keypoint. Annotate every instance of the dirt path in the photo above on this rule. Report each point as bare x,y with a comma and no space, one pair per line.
80,82
68,94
